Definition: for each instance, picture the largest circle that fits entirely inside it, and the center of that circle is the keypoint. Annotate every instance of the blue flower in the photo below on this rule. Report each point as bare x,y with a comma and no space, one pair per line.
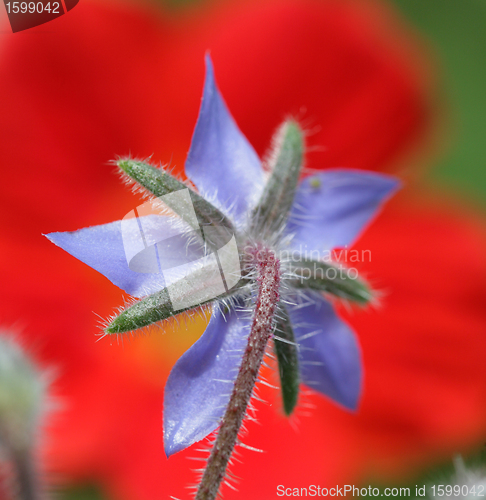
326,210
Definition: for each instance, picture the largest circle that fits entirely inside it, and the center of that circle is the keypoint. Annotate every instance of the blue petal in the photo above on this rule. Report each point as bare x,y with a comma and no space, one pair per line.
107,249
221,162
332,208
329,355
200,384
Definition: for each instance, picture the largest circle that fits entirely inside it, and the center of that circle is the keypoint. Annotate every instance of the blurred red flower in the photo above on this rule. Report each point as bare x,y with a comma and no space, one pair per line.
109,79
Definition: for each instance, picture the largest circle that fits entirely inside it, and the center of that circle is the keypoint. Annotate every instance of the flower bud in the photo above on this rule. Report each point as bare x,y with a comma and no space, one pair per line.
22,393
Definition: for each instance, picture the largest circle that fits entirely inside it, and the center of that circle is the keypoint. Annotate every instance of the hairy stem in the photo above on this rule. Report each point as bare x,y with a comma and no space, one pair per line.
261,331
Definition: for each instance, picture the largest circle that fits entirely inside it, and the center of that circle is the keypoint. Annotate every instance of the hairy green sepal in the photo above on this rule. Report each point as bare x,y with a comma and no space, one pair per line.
161,183
288,360
159,307
334,279
144,312
276,201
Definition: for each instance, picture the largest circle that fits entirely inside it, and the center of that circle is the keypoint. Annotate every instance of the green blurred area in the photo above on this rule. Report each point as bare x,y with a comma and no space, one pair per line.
86,492
456,30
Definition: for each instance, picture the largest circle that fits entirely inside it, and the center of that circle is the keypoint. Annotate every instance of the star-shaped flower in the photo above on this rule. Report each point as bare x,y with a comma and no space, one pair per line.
206,256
